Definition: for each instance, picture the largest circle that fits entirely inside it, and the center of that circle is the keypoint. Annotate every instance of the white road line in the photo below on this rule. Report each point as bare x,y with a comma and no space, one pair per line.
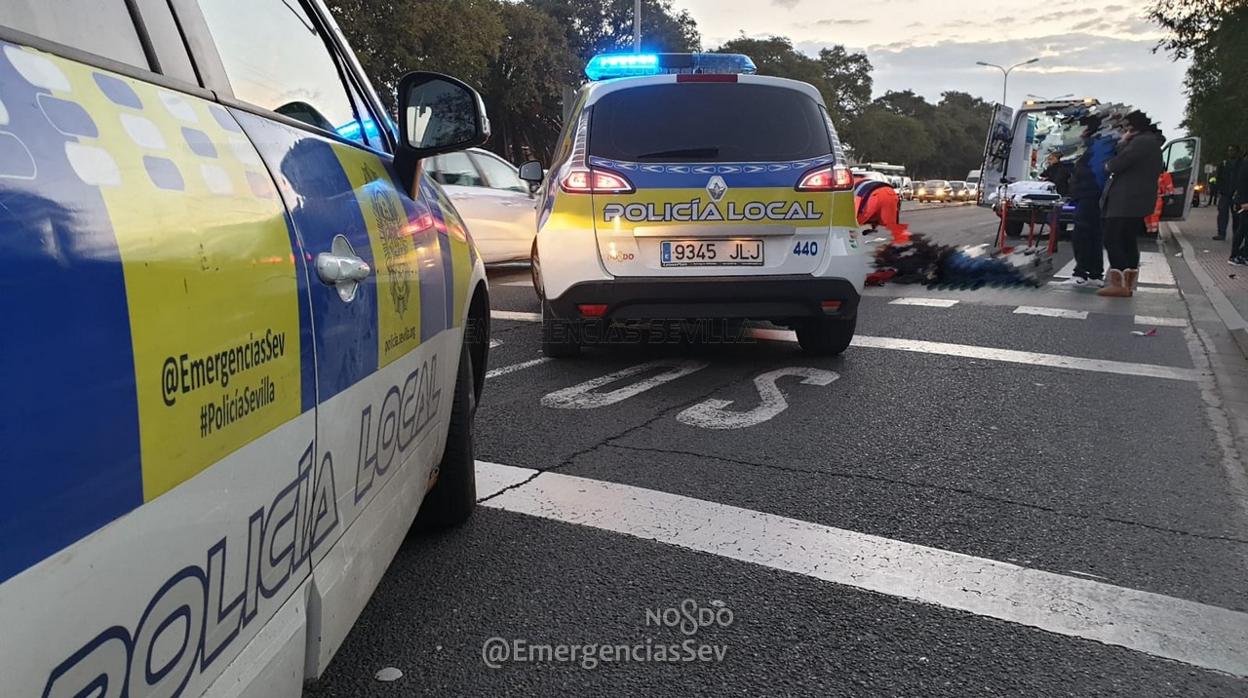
522,282
513,315
1163,626
1051,312
504,370
925,302
1004,355
1155,290
495,343
1154,269
1160,321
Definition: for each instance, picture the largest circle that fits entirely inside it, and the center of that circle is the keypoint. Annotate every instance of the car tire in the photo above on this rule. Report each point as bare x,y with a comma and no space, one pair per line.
556,342
826,336
453,497
535,270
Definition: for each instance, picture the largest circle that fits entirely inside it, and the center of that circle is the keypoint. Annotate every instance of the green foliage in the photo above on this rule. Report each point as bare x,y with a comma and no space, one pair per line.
393,37
882,135
524,90
597,26
842,78
949,139
526,56
1214,33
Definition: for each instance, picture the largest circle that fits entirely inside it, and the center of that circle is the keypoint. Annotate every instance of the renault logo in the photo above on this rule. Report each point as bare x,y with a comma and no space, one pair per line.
716,188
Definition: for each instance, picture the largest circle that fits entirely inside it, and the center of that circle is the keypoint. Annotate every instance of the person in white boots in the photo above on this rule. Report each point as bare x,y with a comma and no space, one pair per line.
1130,196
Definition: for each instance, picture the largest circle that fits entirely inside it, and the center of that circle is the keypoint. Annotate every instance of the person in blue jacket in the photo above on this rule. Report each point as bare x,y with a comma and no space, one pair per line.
1086,186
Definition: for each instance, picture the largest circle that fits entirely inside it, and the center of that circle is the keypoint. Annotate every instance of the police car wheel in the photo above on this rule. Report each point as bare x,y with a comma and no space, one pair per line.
454,495
535,269
826,337
558,341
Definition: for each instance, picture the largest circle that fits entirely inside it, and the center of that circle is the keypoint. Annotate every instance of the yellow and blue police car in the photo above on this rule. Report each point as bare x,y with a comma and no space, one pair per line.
687,187
244,339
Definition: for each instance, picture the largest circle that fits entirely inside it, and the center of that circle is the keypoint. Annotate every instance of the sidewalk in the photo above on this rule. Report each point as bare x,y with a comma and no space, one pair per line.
1224,284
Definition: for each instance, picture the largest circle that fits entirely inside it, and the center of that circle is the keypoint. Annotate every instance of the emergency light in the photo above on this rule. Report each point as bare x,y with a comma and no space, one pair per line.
605,66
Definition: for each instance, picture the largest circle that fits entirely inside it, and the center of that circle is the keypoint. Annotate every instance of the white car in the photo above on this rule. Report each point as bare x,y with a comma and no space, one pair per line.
711,193
498,206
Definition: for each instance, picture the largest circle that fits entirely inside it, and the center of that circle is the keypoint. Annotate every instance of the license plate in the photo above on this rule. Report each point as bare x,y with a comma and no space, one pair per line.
711,253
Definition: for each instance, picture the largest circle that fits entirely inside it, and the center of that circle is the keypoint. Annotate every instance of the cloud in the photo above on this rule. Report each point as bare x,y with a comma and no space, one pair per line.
836,22
1109,68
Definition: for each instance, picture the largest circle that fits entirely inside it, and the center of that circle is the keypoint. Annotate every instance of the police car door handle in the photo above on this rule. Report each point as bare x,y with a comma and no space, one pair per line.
334,269
342,268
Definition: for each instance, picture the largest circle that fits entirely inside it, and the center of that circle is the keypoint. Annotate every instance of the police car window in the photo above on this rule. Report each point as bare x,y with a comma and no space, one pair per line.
102,27
276,59
708,122
456,169
499,174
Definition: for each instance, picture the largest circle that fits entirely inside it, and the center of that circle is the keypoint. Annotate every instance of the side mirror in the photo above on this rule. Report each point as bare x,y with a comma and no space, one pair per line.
531,172
437,114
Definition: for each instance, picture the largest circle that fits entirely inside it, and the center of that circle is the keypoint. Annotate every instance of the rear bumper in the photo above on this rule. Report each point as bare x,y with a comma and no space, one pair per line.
775,298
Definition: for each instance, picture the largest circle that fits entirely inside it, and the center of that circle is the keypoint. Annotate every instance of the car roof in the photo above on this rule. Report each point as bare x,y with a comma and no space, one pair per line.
595,91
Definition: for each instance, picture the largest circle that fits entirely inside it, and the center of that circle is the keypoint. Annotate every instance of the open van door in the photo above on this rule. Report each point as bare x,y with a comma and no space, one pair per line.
996,153
1181,157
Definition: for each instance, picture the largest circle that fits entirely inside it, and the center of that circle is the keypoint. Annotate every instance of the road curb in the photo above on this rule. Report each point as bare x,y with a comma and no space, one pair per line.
1235,323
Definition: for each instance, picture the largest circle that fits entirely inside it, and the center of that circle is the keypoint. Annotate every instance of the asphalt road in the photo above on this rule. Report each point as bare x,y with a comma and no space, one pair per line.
976,499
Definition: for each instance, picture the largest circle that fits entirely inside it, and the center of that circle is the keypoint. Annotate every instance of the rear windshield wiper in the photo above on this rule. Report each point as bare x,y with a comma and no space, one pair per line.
682,153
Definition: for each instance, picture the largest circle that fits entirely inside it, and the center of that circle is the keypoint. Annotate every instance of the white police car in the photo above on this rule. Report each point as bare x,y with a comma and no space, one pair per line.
245,335
684,186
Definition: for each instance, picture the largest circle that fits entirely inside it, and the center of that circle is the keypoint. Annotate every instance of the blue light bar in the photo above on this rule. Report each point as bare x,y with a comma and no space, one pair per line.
623,65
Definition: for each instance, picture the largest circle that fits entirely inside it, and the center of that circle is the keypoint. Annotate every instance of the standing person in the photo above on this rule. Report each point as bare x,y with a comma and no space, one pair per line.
1224,191
1239,241
1130,196
1056,173
1086,185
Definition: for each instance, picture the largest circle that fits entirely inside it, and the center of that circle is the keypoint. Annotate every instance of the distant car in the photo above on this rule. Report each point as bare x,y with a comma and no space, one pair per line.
906,190
933,190
972,191
496,204
958,191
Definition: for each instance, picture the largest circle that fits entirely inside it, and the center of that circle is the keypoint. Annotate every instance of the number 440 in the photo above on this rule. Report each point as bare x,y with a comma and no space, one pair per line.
809,248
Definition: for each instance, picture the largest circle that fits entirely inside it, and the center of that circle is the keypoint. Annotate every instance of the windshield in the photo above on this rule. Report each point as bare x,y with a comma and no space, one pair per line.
935,183
708,122
1047,134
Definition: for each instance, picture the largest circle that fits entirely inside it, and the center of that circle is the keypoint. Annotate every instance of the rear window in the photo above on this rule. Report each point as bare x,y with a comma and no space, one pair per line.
708,122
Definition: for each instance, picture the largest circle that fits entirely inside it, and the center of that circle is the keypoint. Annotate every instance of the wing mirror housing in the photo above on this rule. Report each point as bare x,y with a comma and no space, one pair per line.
531,172
437,114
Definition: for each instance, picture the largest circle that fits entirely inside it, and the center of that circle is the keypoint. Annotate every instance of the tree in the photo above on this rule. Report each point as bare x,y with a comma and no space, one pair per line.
881,135
394,37
599,26
842,78
524,91
1215,34
848,79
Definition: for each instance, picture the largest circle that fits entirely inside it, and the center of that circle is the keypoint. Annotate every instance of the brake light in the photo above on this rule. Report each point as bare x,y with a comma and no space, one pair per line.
827,178
706,77
592,309
596,182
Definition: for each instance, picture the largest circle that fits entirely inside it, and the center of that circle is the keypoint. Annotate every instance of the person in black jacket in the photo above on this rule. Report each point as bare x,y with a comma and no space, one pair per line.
1239,241
1085,192
1227,175
1057,173
1130,196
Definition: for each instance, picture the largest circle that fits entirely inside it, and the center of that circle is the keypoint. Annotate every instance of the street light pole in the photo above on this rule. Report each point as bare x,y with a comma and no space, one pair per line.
1005,83
637,26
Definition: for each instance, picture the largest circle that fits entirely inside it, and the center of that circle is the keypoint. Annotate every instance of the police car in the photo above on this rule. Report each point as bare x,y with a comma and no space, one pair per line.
685,186
245,335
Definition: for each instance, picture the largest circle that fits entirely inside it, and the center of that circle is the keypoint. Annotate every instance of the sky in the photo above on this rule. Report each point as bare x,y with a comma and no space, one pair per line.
1089,49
